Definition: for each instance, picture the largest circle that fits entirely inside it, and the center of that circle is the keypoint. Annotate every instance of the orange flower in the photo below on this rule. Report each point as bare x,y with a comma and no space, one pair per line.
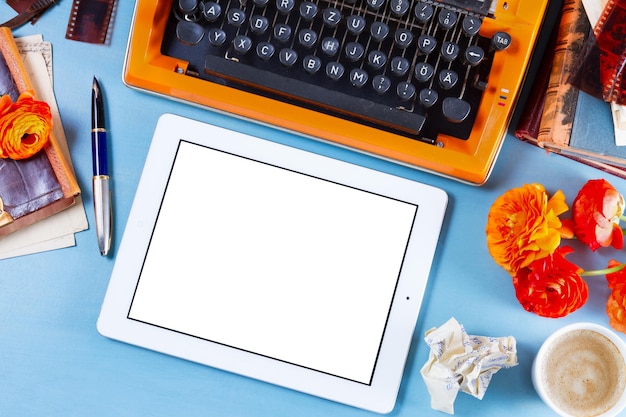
25,126
523,225
616,304
551,286
616,308
596,213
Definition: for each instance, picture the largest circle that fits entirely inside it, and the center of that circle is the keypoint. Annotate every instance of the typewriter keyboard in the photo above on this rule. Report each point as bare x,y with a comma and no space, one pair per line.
415,68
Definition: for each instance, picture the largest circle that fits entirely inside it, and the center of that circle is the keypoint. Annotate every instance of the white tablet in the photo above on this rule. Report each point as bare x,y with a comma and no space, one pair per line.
274,263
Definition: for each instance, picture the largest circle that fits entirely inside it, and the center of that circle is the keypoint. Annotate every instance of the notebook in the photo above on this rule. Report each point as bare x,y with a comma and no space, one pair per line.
274,263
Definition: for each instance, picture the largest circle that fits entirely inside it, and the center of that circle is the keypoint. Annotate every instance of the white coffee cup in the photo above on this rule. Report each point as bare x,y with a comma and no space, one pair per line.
580,370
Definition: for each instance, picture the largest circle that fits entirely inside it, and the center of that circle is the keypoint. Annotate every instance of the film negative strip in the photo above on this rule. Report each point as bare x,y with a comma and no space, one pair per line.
602,70
28,11
610,32
90,20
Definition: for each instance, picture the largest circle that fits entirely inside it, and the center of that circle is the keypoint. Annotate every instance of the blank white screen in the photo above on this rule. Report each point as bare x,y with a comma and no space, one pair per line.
273,262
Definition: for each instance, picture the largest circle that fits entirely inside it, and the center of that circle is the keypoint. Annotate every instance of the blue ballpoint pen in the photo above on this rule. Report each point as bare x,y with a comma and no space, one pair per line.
101,189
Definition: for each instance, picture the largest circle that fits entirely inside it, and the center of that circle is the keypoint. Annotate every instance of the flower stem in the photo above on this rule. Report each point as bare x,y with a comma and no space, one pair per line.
605,271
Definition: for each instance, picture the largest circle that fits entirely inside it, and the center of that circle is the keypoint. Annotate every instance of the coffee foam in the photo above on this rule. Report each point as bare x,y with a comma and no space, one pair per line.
584,373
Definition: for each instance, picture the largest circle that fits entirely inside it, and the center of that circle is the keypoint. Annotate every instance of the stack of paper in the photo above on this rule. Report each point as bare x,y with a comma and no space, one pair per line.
57,231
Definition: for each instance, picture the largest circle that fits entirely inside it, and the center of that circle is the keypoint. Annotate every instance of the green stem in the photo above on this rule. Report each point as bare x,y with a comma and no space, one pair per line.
598,272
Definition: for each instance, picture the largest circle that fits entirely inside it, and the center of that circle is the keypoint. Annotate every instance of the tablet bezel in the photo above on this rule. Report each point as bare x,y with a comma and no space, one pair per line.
380,395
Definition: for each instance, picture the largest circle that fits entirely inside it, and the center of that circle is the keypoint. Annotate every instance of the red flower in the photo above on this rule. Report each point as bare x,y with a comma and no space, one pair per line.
616,278
596,212
551,286
616,304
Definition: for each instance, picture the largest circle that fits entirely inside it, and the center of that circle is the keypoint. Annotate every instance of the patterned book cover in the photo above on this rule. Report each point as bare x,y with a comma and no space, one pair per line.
37,187
561,96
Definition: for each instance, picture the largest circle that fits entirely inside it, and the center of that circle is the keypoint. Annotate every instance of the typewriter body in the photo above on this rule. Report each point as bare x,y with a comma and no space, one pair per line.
429,84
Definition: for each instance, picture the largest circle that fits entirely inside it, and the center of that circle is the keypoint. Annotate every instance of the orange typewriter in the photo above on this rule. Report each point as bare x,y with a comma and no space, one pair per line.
429,84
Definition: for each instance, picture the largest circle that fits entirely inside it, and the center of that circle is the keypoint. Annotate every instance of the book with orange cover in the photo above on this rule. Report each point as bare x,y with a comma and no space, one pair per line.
44,184
561,96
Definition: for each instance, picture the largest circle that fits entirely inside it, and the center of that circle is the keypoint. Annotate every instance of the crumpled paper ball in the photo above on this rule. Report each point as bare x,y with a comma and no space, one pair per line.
461,362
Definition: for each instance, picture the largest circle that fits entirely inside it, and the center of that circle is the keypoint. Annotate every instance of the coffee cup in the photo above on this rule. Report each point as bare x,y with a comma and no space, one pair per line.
580,371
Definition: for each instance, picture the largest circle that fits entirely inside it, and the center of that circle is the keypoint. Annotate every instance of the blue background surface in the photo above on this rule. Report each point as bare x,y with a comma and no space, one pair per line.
54,363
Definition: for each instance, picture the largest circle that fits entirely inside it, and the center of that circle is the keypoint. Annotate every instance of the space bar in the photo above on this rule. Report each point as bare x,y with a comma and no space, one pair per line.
354,107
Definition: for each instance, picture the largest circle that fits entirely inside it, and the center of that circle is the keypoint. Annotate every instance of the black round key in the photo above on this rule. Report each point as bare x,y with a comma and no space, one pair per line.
187,6
358,77
428,97
399,7
331,17
449,51
189,33
330,46
447,19
217,36
259,24
403,38
474,55
242,44
285,6
375,4
354,51
265,50
282,32
211,11
307,38
334,70
399,66
423,71
405,91
381,84
379,31
423,12
501,40
376,59
260,3
311,64
308,10
471,25
355,24
287,57
235,17
448,79
426,44
455,109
